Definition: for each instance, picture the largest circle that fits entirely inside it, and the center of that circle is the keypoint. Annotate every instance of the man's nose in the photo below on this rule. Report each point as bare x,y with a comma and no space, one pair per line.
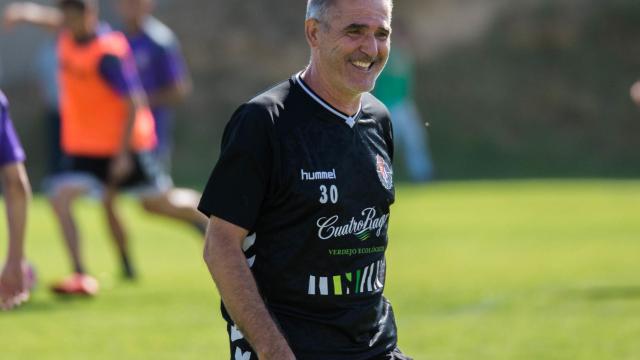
369,46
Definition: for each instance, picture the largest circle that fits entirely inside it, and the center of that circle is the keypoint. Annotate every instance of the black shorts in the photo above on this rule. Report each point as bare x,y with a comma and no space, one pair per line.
147,174
240,348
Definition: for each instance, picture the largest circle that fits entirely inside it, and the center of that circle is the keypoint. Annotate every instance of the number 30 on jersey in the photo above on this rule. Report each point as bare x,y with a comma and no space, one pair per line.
327,194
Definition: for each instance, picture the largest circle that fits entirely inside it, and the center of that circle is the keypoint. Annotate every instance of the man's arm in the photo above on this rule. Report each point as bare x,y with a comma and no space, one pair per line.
170,95
17,191
48,17
231,274
121,76
122,164
173,75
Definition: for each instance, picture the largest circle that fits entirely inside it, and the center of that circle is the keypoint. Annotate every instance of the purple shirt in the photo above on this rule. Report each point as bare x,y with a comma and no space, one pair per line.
121,75
10,149
160,64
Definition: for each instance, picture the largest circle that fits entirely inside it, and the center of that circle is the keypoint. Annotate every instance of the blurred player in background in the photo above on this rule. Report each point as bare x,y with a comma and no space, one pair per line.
14,286
161,67
395,88
107,128
166,82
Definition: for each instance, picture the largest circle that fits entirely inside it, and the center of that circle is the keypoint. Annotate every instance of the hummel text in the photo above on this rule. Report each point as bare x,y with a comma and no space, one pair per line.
318,175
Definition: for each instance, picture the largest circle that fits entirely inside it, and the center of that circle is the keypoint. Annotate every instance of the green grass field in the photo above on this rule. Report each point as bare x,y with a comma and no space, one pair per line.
476,270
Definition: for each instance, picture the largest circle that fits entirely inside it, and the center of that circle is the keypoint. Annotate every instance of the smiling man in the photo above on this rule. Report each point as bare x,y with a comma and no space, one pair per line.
298,203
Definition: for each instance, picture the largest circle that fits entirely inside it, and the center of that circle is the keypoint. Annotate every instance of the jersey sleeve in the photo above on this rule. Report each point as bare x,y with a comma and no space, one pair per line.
10,148
238,183
171,65
120,74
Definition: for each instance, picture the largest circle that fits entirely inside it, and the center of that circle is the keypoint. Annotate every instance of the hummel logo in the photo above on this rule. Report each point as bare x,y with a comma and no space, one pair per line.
318,175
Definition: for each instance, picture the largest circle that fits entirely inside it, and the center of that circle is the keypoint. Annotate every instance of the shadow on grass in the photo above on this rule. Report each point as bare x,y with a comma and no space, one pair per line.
50,304
604,293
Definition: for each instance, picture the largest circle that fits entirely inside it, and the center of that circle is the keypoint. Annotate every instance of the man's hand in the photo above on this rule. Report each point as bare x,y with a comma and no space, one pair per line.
121,166
13,290
635,93
13,14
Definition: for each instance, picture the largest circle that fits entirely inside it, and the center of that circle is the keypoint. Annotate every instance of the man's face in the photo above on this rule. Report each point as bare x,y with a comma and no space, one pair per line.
353,44
77,20
132,11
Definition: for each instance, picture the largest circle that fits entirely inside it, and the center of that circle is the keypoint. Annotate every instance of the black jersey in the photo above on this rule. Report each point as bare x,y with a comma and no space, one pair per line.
313,186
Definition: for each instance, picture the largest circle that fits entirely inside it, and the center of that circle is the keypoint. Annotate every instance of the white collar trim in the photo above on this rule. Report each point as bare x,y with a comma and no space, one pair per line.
350,120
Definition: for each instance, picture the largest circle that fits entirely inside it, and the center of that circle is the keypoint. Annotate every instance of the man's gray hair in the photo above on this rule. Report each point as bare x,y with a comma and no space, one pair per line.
317,9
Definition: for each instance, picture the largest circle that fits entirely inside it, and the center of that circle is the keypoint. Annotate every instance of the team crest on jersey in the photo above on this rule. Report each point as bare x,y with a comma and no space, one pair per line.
385,174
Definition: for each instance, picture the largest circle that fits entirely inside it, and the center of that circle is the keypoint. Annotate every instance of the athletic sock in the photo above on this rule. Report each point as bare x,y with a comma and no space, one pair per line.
127,269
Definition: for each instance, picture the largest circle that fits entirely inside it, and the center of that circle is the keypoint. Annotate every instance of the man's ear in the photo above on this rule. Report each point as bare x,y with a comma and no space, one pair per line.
311,30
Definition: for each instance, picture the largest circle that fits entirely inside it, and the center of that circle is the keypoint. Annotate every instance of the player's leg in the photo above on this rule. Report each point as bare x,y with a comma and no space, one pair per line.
83,176
420,161
79,283
17,192
118,233
61,203
411,141
158,196
176,203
